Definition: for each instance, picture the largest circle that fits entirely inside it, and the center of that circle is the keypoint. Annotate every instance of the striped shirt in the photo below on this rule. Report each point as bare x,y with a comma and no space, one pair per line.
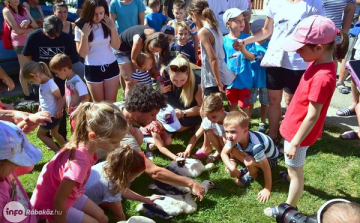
142,77
334,10
260,146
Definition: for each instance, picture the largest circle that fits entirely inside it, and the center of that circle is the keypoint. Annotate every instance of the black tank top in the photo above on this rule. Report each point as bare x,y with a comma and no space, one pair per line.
127,36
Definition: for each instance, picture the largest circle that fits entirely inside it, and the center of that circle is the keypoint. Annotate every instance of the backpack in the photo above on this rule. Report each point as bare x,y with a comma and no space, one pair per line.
6,35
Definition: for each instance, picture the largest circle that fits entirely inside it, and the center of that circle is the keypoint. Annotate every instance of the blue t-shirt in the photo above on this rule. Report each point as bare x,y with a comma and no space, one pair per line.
187,50
259,72
156,20
237,63
126,15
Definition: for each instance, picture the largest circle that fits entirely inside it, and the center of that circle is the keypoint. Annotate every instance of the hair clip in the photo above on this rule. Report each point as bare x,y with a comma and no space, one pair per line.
338,32
90,121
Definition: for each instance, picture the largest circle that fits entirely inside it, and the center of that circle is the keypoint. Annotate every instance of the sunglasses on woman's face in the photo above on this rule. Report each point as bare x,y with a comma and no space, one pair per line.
177,68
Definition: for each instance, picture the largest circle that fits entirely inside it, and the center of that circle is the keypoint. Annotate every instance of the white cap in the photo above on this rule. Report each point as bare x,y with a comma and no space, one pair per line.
15,147
232,13
168,119
319,212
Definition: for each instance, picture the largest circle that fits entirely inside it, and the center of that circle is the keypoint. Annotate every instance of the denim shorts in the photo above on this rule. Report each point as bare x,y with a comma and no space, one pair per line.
122,57
49,126
263,96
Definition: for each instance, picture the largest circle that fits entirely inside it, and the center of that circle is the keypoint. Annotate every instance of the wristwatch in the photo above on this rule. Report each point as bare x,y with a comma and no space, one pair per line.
184,112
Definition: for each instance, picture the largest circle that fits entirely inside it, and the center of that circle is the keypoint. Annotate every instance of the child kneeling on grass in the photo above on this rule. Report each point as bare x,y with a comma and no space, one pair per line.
212,126
110,180
255,149
60,186
314,40
155,135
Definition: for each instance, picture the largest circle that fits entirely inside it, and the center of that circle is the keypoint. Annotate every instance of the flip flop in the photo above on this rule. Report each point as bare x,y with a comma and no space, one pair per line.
350,135
272,211
200,154
345,112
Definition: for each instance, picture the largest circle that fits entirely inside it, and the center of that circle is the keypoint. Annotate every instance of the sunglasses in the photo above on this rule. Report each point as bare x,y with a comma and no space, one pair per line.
177,68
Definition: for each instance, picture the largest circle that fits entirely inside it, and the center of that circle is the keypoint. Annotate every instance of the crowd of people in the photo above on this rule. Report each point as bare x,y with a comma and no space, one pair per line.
174,69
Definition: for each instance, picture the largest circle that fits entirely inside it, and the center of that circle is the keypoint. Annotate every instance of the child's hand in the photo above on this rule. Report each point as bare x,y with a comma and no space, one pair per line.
290,152
241,46
221,87
151,200
9,82
40,118
263,195
184,154
237,43
58,114
73,113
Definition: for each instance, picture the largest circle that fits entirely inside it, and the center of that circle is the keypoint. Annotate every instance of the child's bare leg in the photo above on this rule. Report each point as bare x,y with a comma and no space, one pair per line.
252,165
116,208
93,213
264,112
251,109
236,154
216,142
49,142
296,188
166,138
232,107
55,133
138,136
247,110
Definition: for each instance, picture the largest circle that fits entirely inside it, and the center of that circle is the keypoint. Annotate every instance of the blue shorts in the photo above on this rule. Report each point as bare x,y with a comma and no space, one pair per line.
122,57
263,96
50,126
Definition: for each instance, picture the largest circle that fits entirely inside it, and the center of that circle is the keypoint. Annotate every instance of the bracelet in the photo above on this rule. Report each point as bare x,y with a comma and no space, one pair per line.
30,21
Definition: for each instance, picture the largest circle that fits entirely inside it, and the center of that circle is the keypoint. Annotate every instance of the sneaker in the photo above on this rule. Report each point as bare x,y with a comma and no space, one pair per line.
149,154
263,127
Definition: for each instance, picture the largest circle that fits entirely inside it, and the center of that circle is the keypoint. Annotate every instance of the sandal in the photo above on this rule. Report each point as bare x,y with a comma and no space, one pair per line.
284,176
245,180
350,135
272,211
200,154
342,88
345,112
243,171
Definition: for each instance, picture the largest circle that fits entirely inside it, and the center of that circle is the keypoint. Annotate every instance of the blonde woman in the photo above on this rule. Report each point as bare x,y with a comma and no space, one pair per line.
183,91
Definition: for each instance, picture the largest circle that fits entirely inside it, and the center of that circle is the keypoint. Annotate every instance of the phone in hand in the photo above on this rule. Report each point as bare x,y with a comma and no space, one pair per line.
354,69
80,22
167,83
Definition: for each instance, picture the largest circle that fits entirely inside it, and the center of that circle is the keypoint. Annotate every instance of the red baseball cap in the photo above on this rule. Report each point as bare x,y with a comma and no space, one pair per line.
314,29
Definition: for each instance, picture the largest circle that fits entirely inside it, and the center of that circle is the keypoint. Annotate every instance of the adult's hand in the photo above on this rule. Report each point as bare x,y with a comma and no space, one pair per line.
9,82
86,29
109,22
164,89
198,191
30,123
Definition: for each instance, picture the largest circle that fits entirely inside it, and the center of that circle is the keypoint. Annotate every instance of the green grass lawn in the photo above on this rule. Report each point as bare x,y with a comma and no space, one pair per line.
331,171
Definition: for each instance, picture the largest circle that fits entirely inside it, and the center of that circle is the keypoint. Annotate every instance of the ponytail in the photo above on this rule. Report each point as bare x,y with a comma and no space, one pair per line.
341,48
201,7
45,69
32,67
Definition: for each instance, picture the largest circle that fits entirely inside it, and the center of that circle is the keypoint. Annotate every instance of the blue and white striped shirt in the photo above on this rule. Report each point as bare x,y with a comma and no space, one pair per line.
142,77
334,10
260,146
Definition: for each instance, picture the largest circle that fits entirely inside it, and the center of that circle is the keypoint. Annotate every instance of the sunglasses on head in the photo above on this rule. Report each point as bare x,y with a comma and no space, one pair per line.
176,68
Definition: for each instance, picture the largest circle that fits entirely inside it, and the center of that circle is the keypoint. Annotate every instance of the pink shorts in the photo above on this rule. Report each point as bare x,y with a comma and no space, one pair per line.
75,213
239,96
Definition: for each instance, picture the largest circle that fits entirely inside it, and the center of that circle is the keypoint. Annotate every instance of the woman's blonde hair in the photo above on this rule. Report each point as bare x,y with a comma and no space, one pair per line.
120,164
187,93
32,67
104,119
212,103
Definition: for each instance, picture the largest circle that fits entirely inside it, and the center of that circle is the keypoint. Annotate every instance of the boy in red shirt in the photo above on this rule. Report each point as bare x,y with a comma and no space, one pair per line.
314,40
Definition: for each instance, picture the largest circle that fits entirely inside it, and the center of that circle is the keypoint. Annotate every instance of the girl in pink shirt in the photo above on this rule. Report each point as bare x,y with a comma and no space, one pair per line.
60,186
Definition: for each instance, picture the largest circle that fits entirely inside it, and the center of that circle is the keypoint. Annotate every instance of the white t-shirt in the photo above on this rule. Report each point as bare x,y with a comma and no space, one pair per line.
220,6
217,128
98,188
100,52
286,16
74,89
47,99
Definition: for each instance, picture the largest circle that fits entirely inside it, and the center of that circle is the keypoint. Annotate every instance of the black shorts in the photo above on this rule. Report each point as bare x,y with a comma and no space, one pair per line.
49,126
190,121
210,90
98,74
278,78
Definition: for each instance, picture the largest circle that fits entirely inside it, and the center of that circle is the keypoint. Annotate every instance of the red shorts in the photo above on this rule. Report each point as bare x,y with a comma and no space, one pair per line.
241,96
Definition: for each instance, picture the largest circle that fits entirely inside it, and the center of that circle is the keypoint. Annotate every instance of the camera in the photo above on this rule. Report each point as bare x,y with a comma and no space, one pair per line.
288,214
